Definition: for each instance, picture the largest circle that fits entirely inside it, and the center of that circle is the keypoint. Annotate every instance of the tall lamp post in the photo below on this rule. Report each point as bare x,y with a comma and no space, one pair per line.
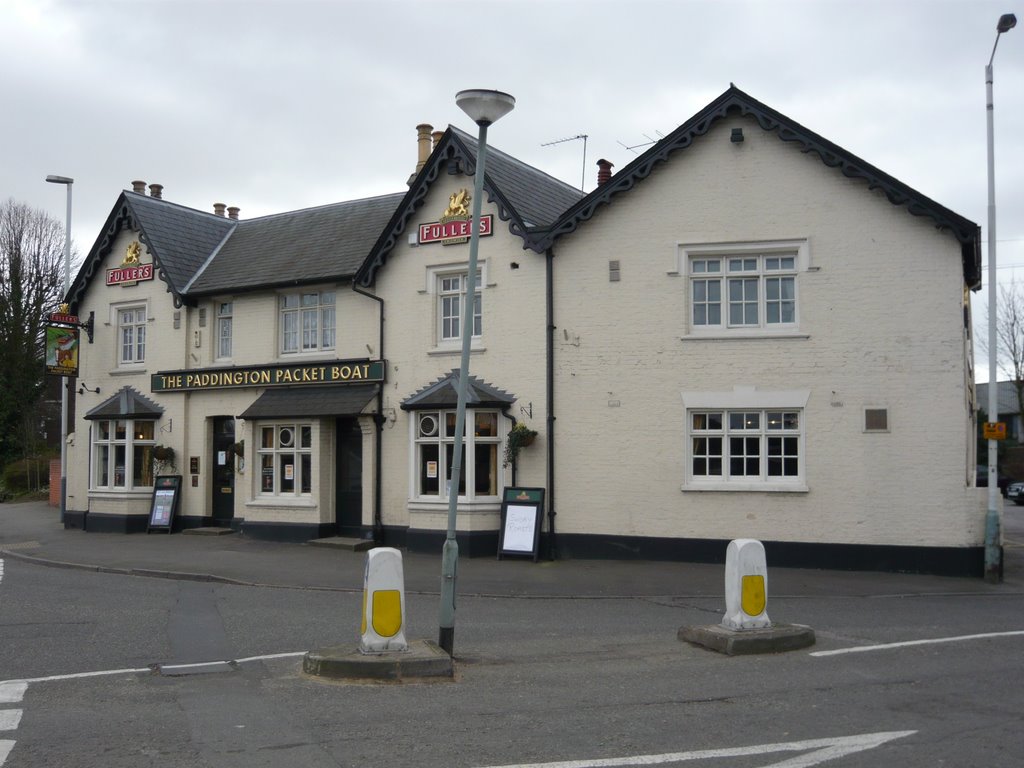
992,522
67,182
483,107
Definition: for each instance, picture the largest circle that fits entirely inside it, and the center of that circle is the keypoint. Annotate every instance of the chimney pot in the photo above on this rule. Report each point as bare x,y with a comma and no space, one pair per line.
218,208
157,191
604,171
139,186
233,212
436,136
423,131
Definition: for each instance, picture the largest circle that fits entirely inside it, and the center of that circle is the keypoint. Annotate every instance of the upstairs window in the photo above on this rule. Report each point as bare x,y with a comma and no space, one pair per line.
131,335
224,318
743,291
307,322
452,291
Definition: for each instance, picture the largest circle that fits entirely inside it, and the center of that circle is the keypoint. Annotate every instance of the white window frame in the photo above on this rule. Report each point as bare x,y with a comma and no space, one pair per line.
722,277
308,321
431,431
225,323
277,484
111,436
436,275
756,436
131,321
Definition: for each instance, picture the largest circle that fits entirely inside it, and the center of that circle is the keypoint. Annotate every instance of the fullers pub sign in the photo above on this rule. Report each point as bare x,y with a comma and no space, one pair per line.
131,269
328,372
456,224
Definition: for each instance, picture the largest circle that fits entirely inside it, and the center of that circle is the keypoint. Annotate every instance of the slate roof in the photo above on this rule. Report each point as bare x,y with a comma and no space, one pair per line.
126,403
307,246
444,393
526,197
181,239
736,102
296,402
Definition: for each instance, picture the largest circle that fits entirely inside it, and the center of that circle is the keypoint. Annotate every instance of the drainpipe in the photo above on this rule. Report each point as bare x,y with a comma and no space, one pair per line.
378,419
550,309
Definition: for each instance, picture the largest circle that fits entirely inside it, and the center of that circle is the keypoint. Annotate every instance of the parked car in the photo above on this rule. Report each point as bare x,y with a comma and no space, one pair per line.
1015,493
981,481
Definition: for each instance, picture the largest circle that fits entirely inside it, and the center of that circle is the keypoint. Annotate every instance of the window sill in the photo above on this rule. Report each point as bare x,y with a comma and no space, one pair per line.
455,350
486,504
746,487
121,494
126,371
268,502
721,335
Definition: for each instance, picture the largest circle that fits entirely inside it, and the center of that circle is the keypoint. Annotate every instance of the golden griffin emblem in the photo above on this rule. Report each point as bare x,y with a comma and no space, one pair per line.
131,253
458,205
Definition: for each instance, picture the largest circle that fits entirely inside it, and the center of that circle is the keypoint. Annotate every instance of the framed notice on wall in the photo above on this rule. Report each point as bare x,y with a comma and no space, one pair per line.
522,510
166,499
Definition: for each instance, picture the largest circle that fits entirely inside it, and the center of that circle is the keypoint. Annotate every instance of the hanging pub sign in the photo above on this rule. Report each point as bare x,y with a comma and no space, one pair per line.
62,350
455,225
131,270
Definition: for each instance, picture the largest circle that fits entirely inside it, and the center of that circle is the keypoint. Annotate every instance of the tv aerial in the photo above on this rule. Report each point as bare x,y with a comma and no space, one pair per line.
577,137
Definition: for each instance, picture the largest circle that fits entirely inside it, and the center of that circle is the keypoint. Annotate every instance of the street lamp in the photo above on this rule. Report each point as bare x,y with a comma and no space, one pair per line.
992,518
67,182
483,107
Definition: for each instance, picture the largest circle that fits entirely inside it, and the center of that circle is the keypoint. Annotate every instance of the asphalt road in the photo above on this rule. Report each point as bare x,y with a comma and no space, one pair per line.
540,680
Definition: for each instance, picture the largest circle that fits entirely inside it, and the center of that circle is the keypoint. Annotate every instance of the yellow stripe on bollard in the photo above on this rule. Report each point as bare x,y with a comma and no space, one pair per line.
387,612
753,598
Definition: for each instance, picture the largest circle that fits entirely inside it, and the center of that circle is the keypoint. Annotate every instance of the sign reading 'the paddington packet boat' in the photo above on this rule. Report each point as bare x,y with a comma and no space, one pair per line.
328,372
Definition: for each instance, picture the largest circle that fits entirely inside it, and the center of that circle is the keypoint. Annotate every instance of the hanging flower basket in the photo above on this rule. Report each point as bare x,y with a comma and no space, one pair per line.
163,453
520,436
238,449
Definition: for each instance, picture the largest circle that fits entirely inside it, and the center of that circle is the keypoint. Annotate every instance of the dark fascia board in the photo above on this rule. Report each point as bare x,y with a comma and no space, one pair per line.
120,216
736,102
449,153
276,285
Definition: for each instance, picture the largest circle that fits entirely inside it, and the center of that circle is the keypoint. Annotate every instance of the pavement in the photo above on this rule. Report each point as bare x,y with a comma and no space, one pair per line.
31,531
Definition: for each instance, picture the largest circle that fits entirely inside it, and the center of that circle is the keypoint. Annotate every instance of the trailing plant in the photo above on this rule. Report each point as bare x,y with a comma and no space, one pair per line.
518,437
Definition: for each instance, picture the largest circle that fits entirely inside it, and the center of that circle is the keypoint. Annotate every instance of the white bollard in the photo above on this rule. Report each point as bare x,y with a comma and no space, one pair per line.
383,627
746,586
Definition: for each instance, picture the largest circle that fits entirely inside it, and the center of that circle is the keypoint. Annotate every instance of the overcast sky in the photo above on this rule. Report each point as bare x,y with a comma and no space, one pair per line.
279,105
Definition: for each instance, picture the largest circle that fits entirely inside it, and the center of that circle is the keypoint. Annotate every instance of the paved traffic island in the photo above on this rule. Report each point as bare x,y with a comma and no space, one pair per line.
777,638
423,660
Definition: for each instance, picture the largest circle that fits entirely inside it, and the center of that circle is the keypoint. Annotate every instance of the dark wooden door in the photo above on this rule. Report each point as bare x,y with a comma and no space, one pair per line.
223,463
348,501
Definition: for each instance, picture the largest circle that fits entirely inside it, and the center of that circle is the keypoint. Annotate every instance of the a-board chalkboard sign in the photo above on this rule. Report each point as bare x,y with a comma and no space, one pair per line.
521,512
166,499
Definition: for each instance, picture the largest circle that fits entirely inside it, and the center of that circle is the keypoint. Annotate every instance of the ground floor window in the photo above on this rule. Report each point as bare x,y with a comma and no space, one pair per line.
434,445
746,445
286,459
122,454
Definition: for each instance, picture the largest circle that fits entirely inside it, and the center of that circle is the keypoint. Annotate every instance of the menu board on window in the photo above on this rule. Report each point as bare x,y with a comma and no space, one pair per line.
166,498
522,510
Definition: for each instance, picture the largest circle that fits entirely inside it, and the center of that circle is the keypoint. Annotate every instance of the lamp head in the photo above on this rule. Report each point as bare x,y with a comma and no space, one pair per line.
1006,22
485,107
59,179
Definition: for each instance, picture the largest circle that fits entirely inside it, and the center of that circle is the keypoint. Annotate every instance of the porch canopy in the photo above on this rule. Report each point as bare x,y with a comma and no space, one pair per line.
294,402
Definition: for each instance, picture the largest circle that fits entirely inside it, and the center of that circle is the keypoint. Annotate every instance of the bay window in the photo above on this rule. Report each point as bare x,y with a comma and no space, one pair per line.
122,454
434,442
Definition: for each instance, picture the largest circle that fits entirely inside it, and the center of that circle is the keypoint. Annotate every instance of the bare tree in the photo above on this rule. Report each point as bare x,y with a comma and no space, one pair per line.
31,269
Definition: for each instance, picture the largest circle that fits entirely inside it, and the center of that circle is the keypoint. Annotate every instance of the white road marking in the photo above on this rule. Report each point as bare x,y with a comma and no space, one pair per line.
908,643
12,693
825,749
5,750
144,670
9,719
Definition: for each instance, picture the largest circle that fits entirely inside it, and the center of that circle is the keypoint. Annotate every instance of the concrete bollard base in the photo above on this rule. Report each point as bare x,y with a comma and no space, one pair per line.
777,638
422,660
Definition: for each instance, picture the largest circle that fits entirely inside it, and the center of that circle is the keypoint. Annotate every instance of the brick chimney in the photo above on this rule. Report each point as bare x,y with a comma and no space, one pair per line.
233,212
604,171
218,208
157,191
139,186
